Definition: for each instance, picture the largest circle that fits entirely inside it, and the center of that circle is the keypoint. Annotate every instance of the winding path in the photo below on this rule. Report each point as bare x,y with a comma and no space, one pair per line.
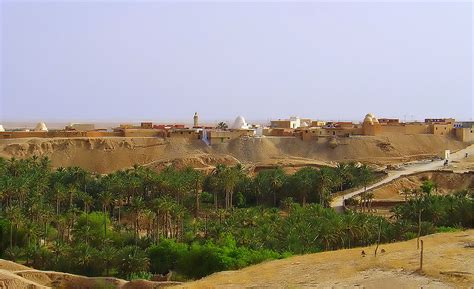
416,167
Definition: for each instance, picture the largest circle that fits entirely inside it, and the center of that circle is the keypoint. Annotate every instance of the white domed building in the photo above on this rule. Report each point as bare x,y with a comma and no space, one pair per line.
41,126
2,129
240,123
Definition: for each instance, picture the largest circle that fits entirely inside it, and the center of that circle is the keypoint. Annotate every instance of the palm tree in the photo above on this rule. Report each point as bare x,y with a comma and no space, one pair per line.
108,254
105,199
222,125
196,179
277,178
324,183
14,216
136,207
163,207
303,182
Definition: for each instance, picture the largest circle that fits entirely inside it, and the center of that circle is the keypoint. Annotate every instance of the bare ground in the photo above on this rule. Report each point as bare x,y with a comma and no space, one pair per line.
104,155
447,182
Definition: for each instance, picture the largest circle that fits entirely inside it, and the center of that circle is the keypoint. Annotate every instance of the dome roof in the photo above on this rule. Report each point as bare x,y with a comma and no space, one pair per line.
240,123
370,118
41,126
1,128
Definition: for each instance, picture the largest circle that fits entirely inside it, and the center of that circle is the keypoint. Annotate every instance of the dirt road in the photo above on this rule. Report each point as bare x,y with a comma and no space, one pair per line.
416,167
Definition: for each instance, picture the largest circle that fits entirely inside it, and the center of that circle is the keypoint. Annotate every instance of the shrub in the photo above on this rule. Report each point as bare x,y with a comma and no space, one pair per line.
163,256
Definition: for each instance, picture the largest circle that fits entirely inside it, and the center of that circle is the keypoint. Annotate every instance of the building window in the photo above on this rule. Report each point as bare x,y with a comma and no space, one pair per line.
333,133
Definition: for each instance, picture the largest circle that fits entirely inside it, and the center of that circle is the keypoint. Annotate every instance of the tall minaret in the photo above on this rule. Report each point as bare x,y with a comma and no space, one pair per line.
196,119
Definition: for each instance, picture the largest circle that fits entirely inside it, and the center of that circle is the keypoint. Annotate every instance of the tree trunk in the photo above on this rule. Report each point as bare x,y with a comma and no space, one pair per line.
196,212
11,235
105,223
419,230
215,200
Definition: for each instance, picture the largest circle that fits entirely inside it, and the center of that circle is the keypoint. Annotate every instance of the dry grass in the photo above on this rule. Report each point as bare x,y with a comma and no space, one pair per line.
447,263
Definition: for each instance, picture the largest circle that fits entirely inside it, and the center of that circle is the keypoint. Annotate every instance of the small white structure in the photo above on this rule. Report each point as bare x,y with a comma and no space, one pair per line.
2,128
80,126
447,154
295,122
196,119
41,126
240,123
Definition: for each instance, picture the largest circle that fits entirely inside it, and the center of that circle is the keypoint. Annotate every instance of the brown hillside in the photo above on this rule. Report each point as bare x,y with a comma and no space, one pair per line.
109,154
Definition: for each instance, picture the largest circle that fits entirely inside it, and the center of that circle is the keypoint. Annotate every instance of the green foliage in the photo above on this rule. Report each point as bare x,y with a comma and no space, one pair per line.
427,187
89,228
206,197
450,211
132,260
164,256
135,222
139,275
198,260
443,229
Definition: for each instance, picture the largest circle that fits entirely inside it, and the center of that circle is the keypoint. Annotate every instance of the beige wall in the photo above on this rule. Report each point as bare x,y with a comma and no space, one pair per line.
133,132
189,134
441,129
421,128
465,134
278,132
222,136
280,124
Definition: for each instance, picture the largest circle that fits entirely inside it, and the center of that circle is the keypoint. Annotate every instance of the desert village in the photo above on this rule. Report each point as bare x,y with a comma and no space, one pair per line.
303,128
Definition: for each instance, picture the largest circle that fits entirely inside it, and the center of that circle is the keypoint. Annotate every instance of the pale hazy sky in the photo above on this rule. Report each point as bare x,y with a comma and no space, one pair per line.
98,60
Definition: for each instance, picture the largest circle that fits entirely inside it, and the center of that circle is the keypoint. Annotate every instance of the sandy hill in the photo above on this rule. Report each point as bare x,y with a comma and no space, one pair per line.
16,276
448,263
109,154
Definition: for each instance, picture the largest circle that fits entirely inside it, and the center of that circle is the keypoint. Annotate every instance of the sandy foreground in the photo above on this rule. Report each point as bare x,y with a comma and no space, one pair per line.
448,263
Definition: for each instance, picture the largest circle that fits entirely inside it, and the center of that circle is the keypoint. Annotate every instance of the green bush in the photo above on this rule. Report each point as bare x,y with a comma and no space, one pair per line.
164,256
132,260
443,229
